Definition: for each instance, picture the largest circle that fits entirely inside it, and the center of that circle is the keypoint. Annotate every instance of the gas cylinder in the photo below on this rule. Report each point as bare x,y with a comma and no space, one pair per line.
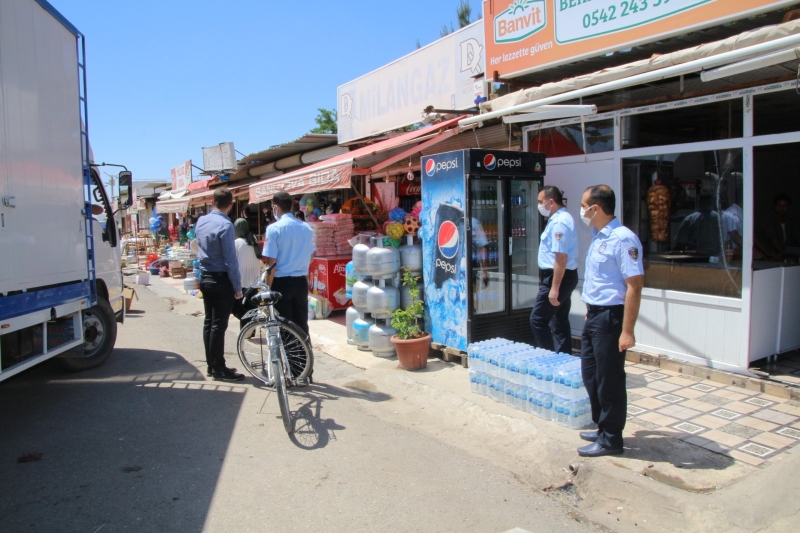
360,289
380,335
382,261
361,331
411,255
382,299
360,254
351,315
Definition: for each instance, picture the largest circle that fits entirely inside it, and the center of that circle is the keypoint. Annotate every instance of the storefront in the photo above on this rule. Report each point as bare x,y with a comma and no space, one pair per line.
697,161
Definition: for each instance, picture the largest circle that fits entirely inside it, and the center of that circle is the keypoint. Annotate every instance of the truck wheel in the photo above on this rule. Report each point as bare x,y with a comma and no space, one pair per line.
99,336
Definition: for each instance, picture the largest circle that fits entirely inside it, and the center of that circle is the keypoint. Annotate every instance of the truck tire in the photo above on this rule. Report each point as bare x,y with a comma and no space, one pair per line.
99,335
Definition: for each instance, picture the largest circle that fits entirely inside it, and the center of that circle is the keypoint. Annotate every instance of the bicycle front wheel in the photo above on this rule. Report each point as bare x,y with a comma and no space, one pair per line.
283,396
253,349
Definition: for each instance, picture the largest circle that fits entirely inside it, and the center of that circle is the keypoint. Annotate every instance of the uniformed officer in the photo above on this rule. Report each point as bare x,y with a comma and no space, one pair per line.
558,264
612,291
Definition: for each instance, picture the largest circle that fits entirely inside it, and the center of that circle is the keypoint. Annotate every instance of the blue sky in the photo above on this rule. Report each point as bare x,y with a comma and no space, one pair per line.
168,77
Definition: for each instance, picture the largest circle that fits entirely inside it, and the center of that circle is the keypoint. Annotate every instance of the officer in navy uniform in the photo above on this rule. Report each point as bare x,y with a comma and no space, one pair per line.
612,291
558,264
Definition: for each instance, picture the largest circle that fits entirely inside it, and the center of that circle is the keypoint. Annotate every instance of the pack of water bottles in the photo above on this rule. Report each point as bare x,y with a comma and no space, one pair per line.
534,380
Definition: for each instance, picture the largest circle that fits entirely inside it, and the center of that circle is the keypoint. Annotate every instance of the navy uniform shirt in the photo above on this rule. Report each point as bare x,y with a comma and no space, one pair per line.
559,237
216,246
614,255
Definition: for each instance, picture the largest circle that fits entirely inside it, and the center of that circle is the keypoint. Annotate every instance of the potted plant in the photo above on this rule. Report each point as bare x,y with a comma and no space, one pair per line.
411,342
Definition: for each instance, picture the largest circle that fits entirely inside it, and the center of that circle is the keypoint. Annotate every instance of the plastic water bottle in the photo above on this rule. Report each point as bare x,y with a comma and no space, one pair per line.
474,380
484,385
547,406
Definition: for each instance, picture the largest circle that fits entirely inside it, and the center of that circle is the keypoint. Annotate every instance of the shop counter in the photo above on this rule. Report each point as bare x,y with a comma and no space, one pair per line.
326,279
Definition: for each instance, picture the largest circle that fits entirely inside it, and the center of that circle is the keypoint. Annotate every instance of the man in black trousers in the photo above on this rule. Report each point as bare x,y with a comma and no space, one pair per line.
290,244
612,290
220,283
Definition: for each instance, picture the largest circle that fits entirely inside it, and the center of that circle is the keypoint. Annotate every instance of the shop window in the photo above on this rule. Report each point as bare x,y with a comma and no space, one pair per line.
563,141
776,113
709,122
686,209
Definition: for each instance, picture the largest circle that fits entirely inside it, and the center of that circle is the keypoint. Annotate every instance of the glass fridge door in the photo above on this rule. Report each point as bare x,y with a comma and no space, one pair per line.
487,228
523,242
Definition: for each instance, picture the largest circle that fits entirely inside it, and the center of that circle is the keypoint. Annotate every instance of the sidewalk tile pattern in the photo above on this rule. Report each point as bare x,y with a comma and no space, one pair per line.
746,425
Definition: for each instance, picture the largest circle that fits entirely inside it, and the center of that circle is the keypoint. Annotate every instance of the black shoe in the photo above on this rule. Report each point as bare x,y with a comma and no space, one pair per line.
219,375
596,450
591,436
208,371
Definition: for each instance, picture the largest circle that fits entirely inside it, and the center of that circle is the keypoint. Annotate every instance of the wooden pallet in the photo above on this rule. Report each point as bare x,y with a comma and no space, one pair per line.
449,355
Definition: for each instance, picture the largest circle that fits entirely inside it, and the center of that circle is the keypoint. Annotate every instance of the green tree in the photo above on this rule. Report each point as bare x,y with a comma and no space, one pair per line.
464,12
326,121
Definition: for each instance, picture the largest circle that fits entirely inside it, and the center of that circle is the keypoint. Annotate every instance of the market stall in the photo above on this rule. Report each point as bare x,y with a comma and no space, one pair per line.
366,174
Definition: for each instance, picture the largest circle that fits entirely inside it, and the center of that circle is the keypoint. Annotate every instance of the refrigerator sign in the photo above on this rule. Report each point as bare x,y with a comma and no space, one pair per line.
444,239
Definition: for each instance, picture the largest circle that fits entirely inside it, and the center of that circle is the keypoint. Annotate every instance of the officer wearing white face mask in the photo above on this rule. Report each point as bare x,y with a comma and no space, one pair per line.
558,264
612,290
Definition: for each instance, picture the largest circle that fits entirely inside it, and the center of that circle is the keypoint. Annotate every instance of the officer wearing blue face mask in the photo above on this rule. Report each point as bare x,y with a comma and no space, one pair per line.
558,265
612,290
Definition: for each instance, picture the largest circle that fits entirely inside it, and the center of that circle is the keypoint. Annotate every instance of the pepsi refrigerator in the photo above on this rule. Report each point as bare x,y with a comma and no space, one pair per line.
480,241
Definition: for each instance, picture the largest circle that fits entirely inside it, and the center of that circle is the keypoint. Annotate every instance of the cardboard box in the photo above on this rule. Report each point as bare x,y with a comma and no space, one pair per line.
128,293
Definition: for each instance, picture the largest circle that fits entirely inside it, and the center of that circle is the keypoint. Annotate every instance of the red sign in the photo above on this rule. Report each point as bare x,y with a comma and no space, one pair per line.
326,280
409,188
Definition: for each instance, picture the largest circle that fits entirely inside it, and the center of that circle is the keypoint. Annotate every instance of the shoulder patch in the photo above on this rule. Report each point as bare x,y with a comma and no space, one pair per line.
634,253
602,248
559,236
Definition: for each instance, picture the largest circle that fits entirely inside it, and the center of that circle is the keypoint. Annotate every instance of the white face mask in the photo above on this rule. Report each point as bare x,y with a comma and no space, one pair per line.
585,220
543,210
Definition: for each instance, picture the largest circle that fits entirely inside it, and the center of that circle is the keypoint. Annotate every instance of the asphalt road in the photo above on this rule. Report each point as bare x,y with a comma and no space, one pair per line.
148,443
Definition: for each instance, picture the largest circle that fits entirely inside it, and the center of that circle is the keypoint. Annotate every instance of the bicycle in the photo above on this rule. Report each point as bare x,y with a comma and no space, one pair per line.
289,360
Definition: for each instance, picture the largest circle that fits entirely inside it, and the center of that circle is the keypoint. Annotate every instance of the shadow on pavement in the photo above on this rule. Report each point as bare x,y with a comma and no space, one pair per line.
665,447
124,446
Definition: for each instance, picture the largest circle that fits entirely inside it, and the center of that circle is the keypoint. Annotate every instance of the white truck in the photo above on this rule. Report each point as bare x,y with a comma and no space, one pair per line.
60,264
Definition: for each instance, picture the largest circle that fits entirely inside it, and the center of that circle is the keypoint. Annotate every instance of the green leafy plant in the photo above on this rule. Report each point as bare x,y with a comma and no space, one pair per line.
406,321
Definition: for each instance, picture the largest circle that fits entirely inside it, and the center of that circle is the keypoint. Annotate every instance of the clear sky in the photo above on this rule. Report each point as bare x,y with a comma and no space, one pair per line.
168,77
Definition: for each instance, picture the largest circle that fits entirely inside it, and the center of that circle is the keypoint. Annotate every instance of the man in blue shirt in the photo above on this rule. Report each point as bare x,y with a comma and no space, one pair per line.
220,283
558,265
612,290
290,244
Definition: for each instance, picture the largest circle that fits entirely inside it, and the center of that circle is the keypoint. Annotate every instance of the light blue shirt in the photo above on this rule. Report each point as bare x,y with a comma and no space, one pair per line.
614,255
290,242
216,246
559,237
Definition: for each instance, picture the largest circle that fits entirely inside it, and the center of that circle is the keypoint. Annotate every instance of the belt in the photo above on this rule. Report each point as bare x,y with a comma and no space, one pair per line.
215,274
597,308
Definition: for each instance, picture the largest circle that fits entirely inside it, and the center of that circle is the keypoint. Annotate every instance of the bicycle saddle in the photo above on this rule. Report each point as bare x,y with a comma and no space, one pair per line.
266,298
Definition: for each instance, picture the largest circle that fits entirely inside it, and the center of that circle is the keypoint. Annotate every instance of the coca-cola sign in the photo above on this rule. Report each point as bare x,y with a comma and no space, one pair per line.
409,188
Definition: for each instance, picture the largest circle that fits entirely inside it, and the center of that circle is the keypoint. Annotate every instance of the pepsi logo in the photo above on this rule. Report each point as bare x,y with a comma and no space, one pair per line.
448,239
430,167
489,162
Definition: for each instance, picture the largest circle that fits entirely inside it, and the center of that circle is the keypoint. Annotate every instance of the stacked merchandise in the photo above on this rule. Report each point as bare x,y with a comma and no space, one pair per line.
344,231
324,239
535,380
383,298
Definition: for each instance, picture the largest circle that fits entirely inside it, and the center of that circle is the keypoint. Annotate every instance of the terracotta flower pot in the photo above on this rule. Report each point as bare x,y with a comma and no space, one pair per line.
413,353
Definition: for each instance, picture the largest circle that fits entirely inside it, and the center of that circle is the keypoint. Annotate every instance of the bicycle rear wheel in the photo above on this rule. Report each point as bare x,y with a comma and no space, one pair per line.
253,349
280,389
298,350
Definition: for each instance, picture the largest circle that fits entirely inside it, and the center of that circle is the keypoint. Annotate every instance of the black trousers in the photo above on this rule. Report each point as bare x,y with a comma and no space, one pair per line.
218,297
603,370
550,324
293,304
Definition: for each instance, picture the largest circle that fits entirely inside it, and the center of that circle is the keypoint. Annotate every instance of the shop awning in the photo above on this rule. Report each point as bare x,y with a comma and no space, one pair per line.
336,172
692,60
181,205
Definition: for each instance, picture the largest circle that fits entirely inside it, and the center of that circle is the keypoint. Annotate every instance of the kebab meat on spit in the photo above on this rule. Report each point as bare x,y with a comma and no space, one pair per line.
658,202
